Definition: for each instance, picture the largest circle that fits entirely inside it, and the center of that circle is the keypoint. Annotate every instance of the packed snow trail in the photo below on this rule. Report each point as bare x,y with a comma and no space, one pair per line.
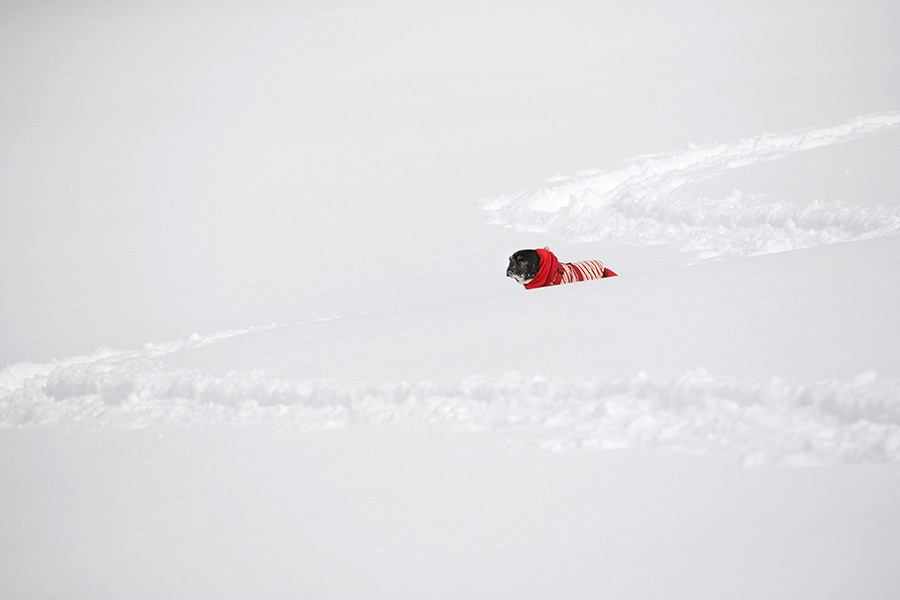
753,420
641,201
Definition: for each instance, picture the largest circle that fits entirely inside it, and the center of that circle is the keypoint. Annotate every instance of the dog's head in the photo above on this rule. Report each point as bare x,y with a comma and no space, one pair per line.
524,265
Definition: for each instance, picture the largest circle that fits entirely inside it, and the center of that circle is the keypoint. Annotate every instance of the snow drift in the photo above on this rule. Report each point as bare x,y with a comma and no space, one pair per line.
756,420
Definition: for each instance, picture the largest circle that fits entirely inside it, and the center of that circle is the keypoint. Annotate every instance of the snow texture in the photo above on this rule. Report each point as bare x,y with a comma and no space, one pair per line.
755,420
640,201
370,408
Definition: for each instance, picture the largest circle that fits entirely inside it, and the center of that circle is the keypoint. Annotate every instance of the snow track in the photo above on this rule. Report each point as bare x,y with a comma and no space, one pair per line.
643,201
753,420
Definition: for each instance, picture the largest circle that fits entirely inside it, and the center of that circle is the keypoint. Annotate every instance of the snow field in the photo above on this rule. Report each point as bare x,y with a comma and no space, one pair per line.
177,167
750,418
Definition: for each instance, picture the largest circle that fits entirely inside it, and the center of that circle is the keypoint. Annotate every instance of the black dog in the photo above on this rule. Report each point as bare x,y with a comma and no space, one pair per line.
523,266
541,268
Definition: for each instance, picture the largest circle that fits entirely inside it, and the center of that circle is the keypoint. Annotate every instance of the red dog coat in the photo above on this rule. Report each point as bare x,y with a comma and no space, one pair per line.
553,272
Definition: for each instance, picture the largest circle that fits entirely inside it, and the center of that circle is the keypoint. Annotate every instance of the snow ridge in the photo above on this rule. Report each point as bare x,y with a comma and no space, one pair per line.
15,376
640,201
753,420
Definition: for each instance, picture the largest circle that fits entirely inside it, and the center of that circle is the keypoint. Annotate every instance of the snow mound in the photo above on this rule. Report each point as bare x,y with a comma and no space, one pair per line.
642,201
753,420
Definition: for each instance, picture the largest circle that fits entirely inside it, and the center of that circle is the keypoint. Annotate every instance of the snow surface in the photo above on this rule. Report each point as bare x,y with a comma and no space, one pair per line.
314,202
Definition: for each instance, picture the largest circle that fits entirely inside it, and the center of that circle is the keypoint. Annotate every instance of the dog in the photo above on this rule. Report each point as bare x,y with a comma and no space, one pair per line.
541,268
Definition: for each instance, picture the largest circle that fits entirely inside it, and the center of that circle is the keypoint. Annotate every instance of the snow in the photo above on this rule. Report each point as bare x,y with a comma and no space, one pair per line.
256,341
640,201
364,512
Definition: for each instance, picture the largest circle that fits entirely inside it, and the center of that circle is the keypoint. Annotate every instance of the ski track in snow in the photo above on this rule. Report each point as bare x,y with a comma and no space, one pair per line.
640,201
755,421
